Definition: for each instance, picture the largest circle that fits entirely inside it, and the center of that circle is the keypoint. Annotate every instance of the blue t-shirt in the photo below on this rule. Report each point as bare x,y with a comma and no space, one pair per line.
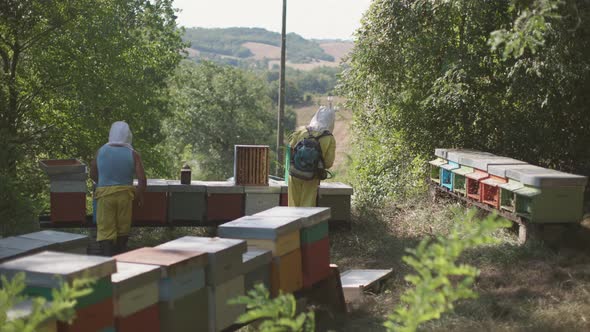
116,166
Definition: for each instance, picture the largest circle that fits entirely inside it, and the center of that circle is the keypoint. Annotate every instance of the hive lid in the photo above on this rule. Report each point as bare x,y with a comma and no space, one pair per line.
458,154
25,244
437,162
449,167
492,182
223,187
256,227
528,191
444,152
270,189
155,185
363,278
463,170
63,239
500,170
335,188
194,187
62,166
214,246
255,257
46,268
511,185
8,253
542,177
483,162
133,275
309,215
477,175
168,260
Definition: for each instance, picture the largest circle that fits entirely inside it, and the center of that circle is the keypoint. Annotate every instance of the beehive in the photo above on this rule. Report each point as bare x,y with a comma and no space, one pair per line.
187,202
67,189
472,183
221,313
446,174
459,180
155,203
278,234
251,165
182,293
256,265
286,273
225,201
336,196
45,271
135,289
435,169
260,198
490,190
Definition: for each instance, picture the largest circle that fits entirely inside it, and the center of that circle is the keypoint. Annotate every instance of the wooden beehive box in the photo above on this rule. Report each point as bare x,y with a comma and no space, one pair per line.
256,266
446,174
459,180
251,165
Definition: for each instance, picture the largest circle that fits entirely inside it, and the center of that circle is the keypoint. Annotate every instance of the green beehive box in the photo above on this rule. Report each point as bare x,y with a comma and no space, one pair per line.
314,220
187,202
458,181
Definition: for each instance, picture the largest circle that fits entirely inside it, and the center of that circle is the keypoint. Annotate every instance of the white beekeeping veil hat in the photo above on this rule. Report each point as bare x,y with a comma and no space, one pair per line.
120,134
323,119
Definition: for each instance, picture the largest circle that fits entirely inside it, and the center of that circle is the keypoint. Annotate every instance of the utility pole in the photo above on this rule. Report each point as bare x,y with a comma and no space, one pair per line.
281,115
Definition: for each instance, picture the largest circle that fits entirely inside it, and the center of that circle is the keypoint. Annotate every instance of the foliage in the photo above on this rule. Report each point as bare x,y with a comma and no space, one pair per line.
422,75
321,80
216,107
528,29
275,315
230,42
70,68
440,280
61,307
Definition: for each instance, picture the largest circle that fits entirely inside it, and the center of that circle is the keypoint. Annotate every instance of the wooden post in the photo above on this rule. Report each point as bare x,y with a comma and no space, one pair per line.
281,115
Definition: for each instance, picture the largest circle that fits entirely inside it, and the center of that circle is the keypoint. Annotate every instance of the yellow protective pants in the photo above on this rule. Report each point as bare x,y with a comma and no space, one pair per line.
114,206
303,193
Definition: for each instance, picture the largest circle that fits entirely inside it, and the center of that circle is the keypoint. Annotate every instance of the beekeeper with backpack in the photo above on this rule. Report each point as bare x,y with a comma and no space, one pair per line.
313,149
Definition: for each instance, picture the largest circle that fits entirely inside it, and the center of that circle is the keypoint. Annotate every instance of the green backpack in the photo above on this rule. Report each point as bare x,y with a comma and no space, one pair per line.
307,159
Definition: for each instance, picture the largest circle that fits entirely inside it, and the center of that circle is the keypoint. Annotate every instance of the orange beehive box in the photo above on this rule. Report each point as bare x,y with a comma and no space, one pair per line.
284,200
68,206
154,208
473,186
251,165
95,317
490,192
286,273
145,320
315,261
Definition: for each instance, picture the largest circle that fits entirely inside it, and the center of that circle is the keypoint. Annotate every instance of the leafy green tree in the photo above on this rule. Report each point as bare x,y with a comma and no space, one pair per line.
440,280
61,307
69,69
422,75
215,108
274,315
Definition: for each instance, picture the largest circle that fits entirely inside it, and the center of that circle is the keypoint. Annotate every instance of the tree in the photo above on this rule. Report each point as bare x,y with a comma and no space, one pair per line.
422,75
71,68
215,108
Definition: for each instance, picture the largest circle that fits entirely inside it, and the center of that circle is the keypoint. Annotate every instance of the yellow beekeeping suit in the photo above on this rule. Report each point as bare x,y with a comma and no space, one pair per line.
304,193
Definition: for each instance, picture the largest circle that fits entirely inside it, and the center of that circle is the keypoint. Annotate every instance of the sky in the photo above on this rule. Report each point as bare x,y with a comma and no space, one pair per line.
317,19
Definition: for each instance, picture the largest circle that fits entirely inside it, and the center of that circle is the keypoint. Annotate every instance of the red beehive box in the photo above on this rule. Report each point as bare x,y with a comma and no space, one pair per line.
473,186
95,317
490,192
284,200
68,207
155,203
315,261
146,320
225,201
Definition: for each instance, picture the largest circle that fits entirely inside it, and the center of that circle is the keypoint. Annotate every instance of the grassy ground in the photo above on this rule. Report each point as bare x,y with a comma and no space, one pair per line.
536,287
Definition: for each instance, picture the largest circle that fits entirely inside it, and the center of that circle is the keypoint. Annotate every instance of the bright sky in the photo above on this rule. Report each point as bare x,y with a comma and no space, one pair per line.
319,19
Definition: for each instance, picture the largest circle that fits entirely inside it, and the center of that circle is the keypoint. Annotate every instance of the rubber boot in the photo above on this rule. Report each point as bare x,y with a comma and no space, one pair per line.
107,247
122,244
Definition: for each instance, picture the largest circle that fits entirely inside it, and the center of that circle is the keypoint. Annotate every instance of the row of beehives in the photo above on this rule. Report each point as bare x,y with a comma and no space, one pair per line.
537,194
201,202
181,285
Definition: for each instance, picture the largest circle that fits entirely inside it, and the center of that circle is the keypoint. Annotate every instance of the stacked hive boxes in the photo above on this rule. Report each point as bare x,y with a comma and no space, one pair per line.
224,275
23,310
68,189
225,201
187,202
315,245
16,246
136,295
155,203
182,293
279,235
45,271
256,266
538,194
